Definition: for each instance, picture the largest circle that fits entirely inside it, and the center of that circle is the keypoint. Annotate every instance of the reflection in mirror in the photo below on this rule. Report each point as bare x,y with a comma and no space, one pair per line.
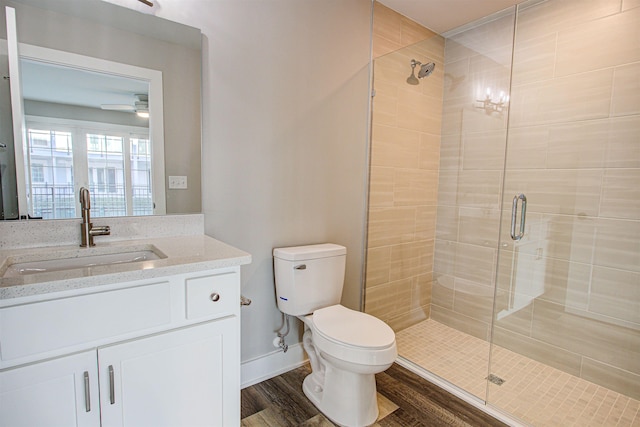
88,124
102,31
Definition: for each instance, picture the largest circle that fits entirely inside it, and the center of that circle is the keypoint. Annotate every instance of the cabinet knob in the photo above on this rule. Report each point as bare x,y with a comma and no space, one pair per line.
215,296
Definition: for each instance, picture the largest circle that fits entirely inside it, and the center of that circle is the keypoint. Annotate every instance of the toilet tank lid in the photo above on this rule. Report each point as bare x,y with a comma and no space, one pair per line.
301,253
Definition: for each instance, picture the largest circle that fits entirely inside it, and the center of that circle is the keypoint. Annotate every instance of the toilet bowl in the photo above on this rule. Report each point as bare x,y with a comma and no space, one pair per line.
346,348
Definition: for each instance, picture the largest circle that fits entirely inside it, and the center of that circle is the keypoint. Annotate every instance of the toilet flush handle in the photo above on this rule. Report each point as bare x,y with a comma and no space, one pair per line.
301,267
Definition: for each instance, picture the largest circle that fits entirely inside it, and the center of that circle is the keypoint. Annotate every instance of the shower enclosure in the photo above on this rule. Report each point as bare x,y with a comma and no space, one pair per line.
505,249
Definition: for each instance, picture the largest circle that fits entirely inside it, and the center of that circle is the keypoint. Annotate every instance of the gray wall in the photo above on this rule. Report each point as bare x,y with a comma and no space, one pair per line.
285,136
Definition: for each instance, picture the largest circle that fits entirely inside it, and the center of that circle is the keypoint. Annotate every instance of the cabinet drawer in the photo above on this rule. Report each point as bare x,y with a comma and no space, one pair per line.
51,325
214,295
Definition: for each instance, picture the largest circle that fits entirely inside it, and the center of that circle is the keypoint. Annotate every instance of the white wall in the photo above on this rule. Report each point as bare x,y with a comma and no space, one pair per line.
285,135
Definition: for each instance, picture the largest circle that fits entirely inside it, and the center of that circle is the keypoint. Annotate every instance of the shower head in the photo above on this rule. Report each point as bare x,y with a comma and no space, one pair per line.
412,80
424,71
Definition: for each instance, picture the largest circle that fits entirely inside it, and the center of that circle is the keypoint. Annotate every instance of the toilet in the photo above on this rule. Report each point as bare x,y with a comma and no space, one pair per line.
346,348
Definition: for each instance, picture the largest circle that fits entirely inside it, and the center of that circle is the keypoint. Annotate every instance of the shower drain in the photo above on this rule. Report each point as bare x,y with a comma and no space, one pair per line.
495,379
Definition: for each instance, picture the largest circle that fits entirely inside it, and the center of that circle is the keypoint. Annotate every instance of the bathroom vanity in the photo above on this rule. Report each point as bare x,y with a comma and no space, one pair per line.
151,342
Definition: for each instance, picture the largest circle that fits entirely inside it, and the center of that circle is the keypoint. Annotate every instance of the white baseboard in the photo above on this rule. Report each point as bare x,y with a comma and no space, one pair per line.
271,365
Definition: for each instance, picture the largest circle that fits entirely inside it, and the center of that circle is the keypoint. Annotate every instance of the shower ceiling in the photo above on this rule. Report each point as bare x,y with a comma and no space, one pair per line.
441,16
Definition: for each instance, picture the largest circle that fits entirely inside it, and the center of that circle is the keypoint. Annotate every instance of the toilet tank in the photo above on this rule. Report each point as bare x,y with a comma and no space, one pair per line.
309,277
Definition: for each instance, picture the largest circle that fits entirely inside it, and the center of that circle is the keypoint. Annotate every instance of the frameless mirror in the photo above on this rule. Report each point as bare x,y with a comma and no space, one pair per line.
89,70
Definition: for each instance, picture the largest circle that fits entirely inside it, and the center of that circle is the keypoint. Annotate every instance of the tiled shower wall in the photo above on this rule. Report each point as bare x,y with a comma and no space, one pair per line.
569,292
404,170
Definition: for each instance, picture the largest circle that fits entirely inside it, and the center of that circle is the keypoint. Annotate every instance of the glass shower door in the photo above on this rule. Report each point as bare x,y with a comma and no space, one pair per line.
567,314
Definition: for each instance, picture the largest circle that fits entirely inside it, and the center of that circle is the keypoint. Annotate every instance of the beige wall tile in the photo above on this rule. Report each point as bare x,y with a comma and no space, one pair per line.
621,194
479,189
473,300
456,79
421,290
452,115
385,104
381,187
405,160
567,283
573,192
616,244
620,380
394,69
448,188
584,96
386,27
491,39
418,112
598,143
571,238
475,263
460,322
550,355
518,321
429,151
456,50
616,293
476,119
412,32
411,259
414,187
447,223
442,291
378,262
577,145
553,16
484,150
450,152
626,88
534,59
389,300
395,147
527,147
630,4
382,46
623,147
391,226
600,341
613,40
444,257
425,222
403,321
479,227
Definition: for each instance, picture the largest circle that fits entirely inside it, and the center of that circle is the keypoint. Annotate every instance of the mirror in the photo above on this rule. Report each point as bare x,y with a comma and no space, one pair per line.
77,82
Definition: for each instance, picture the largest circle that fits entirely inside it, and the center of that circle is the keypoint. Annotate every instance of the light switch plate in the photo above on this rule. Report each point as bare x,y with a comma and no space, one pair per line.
177,182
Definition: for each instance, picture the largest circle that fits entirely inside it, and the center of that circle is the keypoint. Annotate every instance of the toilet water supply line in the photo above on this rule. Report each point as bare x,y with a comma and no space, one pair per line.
279,340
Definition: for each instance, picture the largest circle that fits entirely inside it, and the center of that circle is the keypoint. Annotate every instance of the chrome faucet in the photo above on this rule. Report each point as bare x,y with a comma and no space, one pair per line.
87,229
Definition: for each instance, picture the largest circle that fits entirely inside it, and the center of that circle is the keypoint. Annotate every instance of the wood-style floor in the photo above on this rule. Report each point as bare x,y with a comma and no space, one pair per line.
404,399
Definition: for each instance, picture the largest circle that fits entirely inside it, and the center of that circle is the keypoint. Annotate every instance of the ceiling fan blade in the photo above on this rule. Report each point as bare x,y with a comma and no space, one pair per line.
118,107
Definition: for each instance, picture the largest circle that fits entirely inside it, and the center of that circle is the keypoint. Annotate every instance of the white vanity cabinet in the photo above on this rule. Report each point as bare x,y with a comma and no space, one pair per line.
57,392
161,352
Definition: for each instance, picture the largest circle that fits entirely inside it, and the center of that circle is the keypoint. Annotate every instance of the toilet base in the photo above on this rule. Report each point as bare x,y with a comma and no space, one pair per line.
346,398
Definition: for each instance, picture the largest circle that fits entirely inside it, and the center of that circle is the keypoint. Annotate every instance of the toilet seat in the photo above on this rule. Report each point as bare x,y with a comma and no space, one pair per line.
353,336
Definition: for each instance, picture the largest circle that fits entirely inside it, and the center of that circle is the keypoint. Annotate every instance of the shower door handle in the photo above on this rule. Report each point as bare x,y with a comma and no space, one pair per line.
514,214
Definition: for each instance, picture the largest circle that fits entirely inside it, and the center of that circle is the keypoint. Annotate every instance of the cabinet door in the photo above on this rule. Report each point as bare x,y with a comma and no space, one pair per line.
58,392
188,377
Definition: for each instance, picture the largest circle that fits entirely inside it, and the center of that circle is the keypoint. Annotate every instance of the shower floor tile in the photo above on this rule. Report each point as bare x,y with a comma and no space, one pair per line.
536,393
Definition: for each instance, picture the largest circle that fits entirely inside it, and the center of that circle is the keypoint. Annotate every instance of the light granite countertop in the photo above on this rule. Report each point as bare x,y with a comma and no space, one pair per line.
184,254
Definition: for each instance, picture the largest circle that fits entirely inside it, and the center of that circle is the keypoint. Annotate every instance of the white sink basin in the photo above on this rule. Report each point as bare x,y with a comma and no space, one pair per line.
80,260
